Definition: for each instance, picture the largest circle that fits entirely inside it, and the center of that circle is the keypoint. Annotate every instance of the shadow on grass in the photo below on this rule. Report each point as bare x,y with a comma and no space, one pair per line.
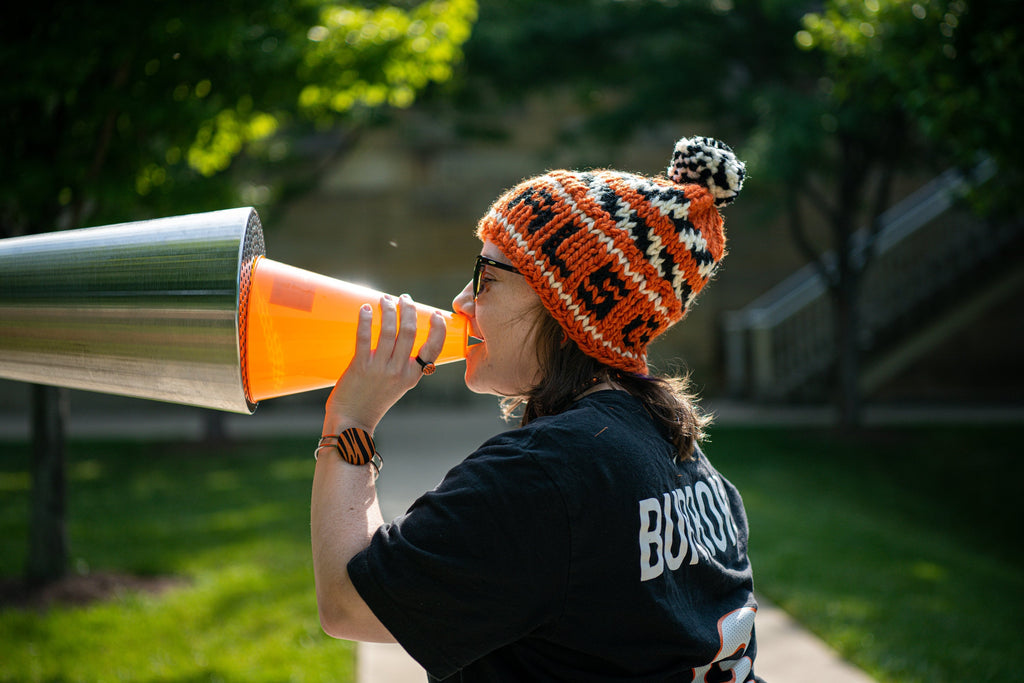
79,590
142,516
895,547
150,509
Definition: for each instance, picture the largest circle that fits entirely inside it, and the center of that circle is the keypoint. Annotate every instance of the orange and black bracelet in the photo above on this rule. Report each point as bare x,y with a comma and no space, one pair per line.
355,446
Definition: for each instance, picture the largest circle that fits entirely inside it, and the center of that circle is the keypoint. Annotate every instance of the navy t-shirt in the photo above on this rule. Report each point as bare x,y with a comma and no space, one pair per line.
574,548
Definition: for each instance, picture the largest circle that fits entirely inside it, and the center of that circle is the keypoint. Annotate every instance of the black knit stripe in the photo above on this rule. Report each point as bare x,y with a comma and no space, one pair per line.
628,219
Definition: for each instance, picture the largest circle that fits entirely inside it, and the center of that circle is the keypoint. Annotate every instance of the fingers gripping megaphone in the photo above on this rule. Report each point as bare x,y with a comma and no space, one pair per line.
186,309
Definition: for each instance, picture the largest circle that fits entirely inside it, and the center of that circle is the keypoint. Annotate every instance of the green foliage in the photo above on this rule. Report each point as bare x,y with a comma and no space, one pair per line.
364,57
120,108
953,68
632,64
799,87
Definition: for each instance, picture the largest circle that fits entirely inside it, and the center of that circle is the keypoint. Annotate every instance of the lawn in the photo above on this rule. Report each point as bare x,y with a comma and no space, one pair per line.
232,523
900,548
897,547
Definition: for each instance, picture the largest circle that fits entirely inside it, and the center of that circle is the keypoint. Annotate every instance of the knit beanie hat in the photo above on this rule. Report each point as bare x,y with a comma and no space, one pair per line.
615,257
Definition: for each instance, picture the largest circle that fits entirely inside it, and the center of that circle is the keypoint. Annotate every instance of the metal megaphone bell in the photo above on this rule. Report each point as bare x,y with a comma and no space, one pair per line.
186,309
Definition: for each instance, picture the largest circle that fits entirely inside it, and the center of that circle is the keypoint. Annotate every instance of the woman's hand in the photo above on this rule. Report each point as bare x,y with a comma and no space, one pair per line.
377,378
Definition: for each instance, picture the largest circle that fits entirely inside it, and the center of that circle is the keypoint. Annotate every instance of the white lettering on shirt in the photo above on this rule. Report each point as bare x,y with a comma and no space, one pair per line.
673,560
688,524
650,540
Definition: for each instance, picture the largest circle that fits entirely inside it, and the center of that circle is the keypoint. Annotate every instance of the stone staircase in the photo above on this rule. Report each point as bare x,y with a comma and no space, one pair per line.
936,269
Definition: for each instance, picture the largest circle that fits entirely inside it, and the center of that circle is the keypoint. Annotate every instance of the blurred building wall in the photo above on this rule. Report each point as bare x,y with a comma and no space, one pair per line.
399,213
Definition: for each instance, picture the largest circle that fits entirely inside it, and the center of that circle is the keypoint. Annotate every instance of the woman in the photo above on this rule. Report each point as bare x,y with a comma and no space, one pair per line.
595,542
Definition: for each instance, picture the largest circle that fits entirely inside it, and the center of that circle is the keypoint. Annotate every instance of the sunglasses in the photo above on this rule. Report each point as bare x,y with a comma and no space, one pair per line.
482,261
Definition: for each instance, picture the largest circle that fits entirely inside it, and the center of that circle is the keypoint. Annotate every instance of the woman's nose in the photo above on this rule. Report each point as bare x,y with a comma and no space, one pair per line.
463,302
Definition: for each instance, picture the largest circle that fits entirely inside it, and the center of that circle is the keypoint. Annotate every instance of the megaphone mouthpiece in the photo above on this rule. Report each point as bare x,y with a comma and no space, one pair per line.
302,327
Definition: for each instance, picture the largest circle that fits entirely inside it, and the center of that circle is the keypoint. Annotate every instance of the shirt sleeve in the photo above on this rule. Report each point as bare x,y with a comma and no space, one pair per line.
479,562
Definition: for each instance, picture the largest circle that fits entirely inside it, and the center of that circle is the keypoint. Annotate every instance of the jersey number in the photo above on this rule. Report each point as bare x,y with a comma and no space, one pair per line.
731,665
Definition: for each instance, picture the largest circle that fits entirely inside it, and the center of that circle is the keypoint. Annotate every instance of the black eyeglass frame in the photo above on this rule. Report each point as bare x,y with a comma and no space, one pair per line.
482,261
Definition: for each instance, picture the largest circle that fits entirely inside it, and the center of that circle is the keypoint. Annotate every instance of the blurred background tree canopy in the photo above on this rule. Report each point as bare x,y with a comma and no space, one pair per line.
123,105
117,110
786,78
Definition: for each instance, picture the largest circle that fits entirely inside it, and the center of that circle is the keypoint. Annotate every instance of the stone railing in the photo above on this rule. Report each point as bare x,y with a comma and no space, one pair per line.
782,346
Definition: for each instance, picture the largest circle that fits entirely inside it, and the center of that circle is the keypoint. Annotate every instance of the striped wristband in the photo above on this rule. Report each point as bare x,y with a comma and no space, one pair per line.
354,445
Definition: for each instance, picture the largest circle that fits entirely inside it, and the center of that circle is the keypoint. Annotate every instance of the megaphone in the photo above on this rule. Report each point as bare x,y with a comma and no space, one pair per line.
186,309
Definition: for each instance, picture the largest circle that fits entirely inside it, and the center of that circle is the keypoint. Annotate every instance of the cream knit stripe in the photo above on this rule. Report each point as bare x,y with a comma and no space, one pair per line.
677,210
691,238
609,243
556,286
706,270
690,299
623,221
694,241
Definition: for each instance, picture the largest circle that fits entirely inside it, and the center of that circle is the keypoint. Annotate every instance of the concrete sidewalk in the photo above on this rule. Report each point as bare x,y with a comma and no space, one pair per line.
786,653
135,418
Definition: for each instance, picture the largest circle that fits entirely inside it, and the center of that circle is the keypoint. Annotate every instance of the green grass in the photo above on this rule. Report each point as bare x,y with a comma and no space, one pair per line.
234,523
899,548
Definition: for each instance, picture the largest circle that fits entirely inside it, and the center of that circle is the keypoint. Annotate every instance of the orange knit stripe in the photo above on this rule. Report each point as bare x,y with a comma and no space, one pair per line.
698,214
662,227
703,213
596,255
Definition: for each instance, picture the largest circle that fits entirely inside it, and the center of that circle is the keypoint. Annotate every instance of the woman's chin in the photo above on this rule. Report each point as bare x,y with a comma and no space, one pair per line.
476,384
470,378
477,387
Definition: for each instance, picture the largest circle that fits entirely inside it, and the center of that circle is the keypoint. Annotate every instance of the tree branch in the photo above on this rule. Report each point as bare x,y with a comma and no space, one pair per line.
105,137
799,233
820,201
883,192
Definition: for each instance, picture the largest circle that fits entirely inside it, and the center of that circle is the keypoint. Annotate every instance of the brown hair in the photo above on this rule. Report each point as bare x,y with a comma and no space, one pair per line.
566,372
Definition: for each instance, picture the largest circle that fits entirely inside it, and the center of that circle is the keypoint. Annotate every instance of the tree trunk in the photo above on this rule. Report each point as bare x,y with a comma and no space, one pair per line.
846,289
214,428
48,546
847,327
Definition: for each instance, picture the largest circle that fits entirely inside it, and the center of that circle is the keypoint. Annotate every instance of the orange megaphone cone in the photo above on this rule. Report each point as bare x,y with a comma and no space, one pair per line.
300,329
